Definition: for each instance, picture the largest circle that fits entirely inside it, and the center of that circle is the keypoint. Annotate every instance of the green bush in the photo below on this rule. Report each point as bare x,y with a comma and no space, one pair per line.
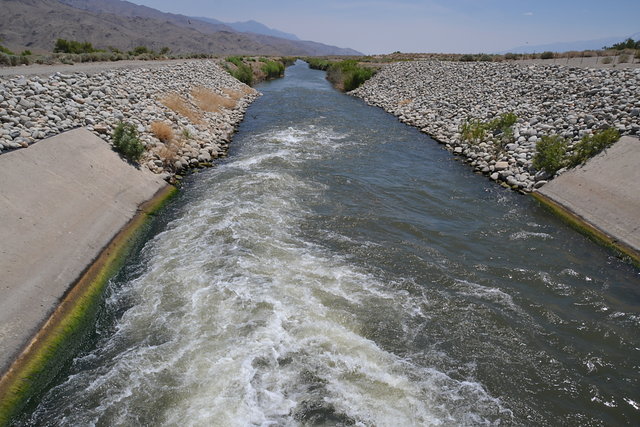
26,53
318,63
6,50
546,55
467,58
348,74
141,50
485,58
551,154
500,130
591,145
273,69
126,142
72,46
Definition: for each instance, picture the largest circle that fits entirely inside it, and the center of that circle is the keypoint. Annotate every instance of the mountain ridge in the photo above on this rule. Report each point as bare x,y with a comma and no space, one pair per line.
36,24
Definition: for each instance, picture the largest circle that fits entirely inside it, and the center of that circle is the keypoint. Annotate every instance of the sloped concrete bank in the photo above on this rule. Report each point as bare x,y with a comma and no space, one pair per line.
602,198
67,203
438,97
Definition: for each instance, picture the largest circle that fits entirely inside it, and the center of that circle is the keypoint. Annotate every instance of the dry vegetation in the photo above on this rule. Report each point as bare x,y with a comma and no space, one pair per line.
162,131
176,103
208,100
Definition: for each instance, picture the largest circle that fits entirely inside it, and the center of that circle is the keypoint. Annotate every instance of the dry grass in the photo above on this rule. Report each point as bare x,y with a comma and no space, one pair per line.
208,100
233,94
405,102
162,131
176,103
170,152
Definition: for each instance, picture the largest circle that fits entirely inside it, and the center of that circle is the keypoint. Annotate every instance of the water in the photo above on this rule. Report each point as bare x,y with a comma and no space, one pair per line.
340,268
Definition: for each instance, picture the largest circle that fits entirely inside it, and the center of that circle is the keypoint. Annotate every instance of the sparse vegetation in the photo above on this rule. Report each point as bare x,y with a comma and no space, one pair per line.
242,71
72,46
546,55
126,142
500,130
26,53
591,145
607,60
141,50
162,131
551,153
176,103
208,100
623,58
627,44
348,74
6,50
273,69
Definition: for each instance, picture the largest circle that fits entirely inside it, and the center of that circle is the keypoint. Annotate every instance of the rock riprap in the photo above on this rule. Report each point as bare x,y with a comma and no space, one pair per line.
439,97
34,108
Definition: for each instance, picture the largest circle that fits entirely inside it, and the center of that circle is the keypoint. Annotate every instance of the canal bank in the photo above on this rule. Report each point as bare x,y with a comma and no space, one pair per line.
71,207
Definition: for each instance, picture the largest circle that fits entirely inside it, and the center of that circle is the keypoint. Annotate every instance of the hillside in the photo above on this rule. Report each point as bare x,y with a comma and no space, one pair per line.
36,24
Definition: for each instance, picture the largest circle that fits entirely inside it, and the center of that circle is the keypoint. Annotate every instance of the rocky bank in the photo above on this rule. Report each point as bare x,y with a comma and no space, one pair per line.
438,97
33,108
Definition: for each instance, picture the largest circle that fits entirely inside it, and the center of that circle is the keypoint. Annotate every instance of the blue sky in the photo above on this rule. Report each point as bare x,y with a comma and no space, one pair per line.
461,26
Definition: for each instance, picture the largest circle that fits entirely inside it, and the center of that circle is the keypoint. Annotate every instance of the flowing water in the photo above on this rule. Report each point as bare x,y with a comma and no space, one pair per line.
340,268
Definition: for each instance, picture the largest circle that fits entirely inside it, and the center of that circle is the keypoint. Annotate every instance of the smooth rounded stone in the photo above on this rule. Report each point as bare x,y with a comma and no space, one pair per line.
539,184
494,176
500,166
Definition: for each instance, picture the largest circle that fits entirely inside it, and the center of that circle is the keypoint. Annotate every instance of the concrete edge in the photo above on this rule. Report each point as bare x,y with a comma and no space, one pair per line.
623,251
58,338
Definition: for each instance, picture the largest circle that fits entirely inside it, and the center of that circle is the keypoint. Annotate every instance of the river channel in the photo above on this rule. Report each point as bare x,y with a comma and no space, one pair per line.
341,268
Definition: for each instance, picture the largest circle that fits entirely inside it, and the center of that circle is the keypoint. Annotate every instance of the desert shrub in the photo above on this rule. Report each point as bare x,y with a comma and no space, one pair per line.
512,56
208,100
467,58
26,53
176,103
272,69
72,46
591,145
165,51
162,131
126,142
242,71
627,44
318,63
348,74
6,50
500,130
607,60
485,58
551,154
623,58
546,55
140,50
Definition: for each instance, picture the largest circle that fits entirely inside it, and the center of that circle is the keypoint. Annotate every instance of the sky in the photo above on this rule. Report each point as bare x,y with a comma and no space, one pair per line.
443,26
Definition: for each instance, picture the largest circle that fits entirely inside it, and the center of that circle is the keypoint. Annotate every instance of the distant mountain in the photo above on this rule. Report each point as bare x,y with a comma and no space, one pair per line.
36,24
568,46
252,27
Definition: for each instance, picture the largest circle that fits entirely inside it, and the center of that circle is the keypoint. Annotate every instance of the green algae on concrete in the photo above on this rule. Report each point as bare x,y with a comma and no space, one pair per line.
59,338
621,250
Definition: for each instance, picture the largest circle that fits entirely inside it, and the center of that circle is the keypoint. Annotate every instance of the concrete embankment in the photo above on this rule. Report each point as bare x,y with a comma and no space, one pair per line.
604,194
439,97
63,201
